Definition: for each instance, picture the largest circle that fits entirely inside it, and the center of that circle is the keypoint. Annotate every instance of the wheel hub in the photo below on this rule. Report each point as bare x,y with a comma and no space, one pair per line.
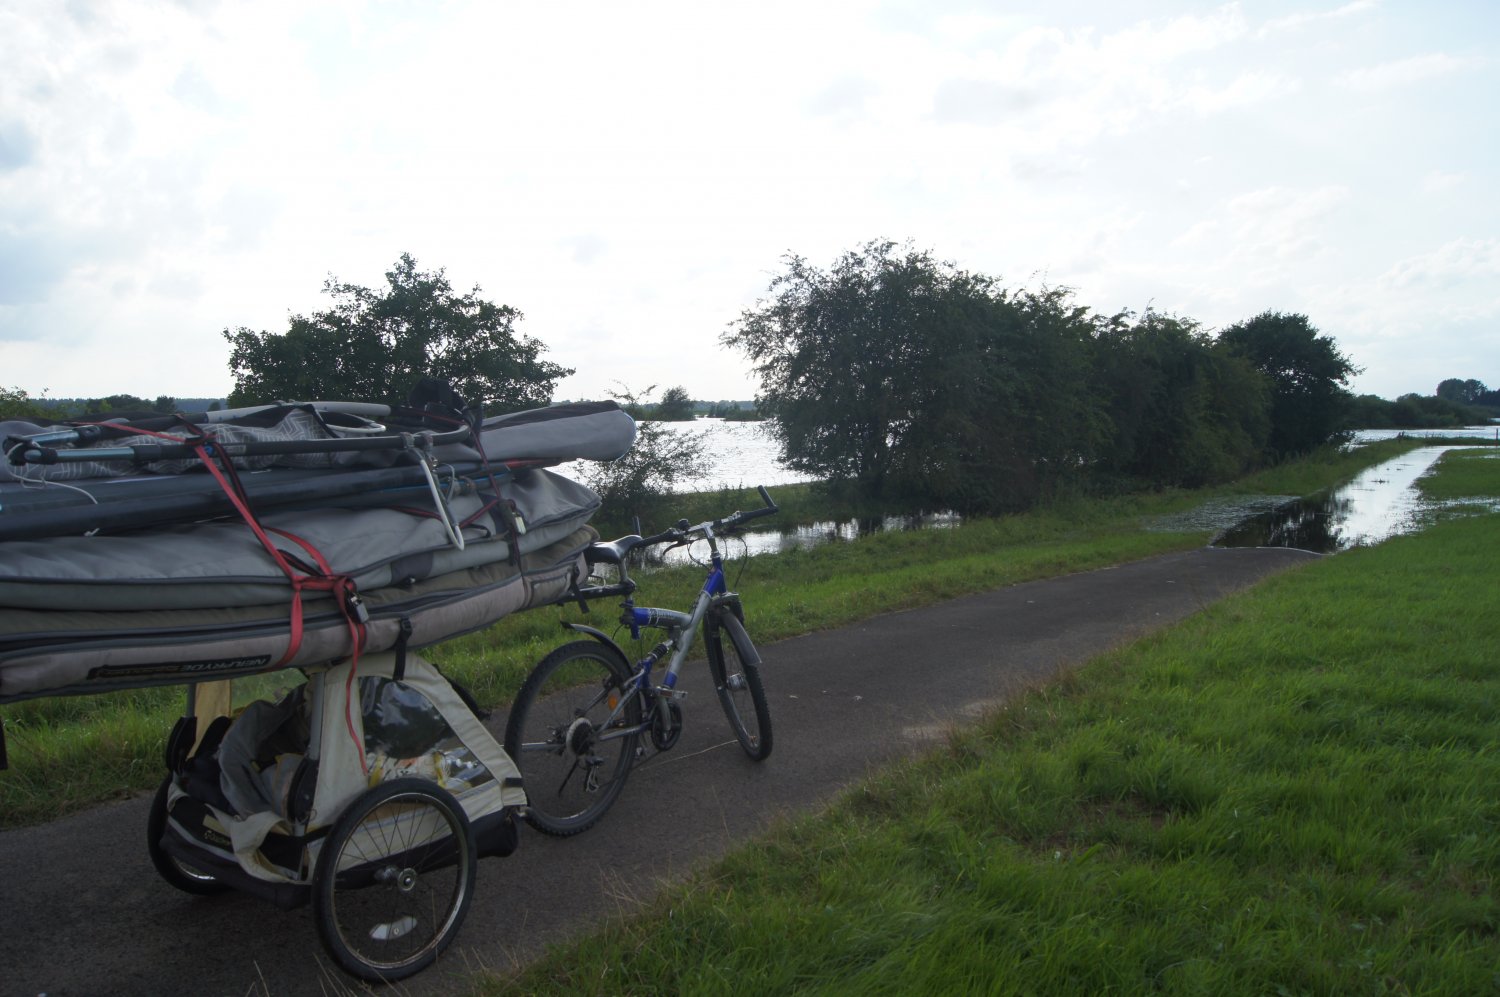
580,736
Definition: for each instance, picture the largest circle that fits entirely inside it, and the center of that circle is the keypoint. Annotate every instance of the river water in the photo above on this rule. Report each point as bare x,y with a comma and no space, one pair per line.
739,454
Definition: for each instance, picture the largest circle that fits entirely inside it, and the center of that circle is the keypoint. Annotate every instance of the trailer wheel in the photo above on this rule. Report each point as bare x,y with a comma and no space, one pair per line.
394,879
179,874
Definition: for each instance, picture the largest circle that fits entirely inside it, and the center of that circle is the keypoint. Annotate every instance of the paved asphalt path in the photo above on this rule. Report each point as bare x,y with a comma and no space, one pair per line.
82,912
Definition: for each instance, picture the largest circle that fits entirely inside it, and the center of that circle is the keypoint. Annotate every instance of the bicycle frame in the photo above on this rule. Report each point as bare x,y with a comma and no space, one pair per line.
680,628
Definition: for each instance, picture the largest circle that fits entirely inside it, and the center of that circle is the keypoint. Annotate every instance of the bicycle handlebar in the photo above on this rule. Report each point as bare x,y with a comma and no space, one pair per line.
615,551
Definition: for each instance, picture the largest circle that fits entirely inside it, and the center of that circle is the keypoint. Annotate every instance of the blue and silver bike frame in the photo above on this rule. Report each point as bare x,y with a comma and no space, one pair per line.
680,627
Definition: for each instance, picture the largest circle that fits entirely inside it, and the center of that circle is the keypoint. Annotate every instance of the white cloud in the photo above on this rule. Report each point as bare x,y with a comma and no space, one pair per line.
1244,91
1302,19
1276,228
1458,262
1441,181
1404,72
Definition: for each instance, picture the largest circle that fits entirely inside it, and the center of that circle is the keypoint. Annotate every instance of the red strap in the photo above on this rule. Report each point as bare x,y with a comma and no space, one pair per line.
340,586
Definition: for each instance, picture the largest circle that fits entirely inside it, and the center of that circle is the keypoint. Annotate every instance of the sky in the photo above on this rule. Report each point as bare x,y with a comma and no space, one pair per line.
631,176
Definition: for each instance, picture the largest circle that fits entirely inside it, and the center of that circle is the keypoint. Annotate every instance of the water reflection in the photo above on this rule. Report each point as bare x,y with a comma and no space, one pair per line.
772,541
1487,432
1379,503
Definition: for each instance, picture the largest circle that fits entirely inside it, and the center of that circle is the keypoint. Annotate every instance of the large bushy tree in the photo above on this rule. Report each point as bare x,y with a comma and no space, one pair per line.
375,344
906,376
1307,374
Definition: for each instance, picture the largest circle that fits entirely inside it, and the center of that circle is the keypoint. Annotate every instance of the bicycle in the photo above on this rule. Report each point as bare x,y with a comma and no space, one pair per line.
576,725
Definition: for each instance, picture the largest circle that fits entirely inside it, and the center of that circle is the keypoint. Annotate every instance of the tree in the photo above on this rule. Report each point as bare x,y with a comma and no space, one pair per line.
902,376
1007,413
675,406
376,345
1307,375
836,354
121,404
17,404
1468,392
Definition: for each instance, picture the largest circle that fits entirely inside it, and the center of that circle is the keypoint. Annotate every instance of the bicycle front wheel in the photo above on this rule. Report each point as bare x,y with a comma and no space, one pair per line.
573,732
738,683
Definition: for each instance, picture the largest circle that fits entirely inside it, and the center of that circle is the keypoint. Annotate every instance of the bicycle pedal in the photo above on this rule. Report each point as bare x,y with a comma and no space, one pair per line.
666,693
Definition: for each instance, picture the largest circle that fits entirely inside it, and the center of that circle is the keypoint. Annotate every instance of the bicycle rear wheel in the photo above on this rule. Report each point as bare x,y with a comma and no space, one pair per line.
738,682
573,757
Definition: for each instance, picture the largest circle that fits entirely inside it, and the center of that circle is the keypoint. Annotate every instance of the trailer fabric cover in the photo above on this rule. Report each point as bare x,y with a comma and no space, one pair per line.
414,726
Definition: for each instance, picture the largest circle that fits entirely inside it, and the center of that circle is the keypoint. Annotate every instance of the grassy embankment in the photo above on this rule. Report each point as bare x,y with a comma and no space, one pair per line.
110,745
1293,792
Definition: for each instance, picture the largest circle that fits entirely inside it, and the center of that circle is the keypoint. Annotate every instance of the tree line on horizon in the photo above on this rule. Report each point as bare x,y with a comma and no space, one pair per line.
891,372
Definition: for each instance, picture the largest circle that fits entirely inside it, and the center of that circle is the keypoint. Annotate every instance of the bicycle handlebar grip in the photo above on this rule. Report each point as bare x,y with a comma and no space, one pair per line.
770,508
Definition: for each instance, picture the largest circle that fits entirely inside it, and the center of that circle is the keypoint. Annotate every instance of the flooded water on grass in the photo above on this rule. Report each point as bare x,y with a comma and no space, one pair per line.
1379,503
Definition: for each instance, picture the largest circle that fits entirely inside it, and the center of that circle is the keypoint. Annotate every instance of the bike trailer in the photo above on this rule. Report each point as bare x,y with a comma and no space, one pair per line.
370,793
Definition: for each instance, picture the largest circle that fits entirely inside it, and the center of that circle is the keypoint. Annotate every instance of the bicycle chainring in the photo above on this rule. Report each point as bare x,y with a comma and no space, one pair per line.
666,724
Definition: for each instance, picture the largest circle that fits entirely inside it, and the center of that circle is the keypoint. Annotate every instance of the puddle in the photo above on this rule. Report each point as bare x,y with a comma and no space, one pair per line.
1379,503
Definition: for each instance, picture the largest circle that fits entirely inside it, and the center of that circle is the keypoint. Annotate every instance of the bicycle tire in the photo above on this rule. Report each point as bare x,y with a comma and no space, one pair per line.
180,874
394,879
738,684
552,734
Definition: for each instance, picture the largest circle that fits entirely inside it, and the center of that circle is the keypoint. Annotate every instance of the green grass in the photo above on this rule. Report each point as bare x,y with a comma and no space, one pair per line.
110,745
1465,474
1294,792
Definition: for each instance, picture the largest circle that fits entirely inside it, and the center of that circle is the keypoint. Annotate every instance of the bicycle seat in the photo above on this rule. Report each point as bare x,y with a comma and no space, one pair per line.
610,551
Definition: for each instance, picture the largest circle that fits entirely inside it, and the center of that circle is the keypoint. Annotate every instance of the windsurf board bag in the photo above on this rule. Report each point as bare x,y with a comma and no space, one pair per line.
154,552
127,474
252,800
